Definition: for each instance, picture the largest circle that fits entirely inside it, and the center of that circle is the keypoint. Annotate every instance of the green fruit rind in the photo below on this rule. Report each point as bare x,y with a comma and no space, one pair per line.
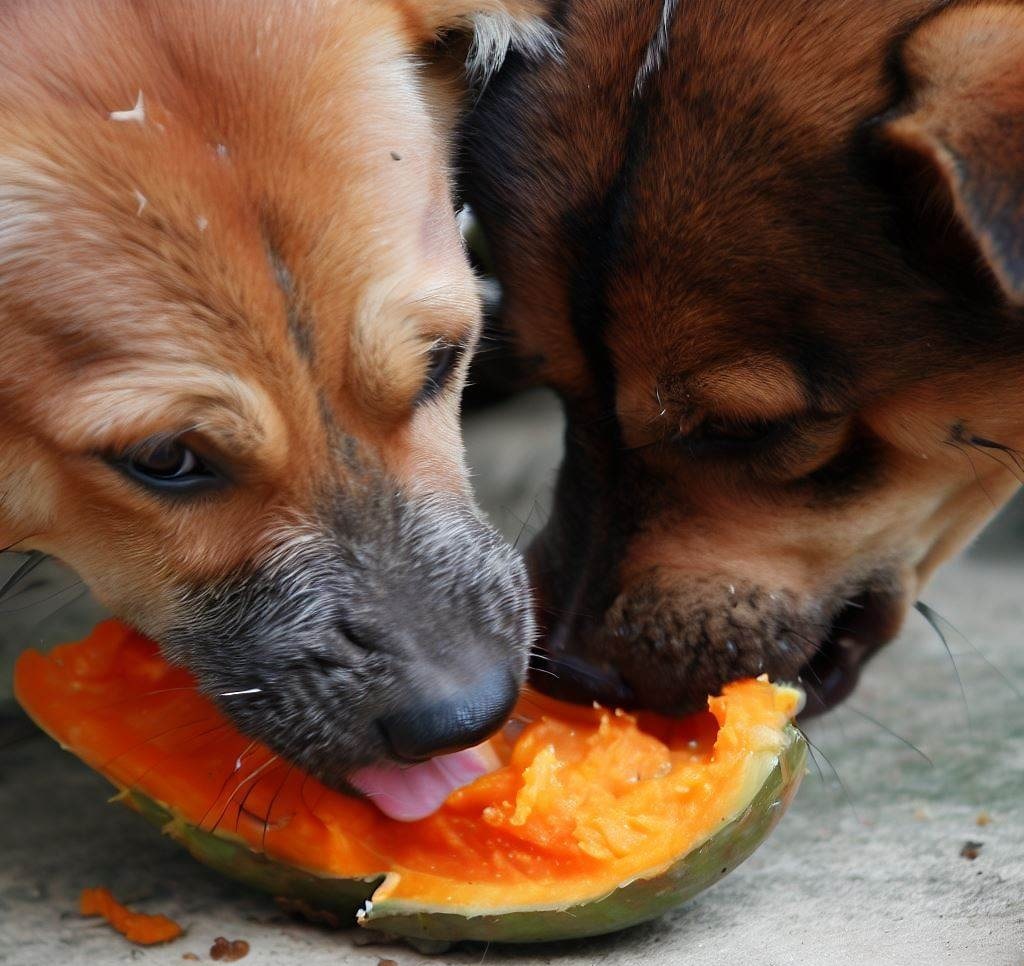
645,897
342,898
640,900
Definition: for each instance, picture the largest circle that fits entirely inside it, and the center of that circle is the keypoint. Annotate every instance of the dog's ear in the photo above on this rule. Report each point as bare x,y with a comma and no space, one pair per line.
959,145
495,28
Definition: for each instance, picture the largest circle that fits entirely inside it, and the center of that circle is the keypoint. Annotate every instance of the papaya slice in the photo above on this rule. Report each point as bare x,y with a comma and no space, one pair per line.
593,820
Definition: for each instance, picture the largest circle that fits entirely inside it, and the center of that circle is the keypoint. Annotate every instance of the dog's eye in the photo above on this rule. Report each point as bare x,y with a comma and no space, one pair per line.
440,365
717,434
167,465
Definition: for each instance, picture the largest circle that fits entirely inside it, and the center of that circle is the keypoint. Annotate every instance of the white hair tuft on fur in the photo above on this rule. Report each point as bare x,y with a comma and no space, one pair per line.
496,32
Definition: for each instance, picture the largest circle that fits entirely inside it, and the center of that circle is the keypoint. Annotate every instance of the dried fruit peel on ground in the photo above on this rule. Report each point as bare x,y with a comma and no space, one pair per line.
595,821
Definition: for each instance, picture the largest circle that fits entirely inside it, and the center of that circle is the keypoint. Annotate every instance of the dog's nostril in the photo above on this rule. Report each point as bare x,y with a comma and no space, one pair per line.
461,720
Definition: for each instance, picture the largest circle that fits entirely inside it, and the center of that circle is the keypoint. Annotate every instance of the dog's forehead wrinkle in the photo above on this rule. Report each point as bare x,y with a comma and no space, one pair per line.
300,327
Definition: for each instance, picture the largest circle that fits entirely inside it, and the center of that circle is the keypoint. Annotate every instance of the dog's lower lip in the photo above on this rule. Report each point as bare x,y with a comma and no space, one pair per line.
866,625
831,675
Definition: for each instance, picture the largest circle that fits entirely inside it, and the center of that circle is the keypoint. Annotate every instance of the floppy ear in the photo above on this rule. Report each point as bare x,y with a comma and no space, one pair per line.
962,139
495,26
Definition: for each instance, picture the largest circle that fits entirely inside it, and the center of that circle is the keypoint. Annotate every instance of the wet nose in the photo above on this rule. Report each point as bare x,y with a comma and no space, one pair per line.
438,726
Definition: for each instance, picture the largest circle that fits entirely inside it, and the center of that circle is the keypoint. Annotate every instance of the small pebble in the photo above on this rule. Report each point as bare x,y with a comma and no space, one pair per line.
191,957
922,815
386,962
229,951
971,850
983,819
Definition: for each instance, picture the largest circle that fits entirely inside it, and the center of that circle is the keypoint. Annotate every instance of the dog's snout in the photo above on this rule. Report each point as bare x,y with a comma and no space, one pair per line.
439,725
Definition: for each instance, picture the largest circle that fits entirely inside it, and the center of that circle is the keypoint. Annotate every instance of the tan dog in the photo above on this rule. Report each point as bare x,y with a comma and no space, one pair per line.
771,255
235,315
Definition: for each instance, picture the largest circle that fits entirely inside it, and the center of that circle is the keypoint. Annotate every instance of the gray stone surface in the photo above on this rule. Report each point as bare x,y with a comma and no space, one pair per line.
866,871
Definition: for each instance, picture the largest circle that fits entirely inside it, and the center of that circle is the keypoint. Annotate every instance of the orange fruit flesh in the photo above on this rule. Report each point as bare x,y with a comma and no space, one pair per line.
586,798
136,927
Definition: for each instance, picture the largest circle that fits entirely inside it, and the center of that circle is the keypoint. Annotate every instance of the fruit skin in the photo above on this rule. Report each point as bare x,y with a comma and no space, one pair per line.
632,903
230,857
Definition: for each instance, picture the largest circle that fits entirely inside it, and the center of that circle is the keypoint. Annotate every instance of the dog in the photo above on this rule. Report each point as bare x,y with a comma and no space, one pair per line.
770,255
235,318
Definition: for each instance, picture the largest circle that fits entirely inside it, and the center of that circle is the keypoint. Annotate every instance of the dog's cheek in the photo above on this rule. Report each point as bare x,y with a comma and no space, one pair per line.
28,494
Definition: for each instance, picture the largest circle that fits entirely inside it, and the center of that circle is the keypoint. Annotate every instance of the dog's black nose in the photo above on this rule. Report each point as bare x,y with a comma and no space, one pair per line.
459,720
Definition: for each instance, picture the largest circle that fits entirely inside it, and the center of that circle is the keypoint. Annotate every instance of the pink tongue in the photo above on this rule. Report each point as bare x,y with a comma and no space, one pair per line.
411,792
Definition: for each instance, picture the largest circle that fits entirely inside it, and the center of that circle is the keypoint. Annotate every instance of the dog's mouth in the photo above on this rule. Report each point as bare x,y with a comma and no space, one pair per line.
865,624
829,672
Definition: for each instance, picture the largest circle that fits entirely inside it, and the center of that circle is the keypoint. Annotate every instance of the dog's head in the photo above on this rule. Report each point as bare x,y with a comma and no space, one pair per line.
235,315
769,254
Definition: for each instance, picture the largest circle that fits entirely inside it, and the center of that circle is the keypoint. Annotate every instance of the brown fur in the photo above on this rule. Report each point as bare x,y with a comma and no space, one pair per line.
257,263
808,215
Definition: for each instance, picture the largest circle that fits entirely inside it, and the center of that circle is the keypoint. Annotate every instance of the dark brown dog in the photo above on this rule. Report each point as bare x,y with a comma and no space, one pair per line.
771,255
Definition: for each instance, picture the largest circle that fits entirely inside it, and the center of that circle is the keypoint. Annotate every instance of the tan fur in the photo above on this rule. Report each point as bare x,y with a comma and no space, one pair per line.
161,164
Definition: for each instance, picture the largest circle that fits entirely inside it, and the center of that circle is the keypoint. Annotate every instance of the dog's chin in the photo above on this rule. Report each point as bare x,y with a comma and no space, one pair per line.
861,629
828,667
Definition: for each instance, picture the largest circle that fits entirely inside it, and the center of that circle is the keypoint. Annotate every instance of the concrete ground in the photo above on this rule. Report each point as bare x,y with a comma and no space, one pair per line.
866,869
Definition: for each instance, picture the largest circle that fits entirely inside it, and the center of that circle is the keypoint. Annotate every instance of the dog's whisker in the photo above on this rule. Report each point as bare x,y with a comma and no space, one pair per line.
906,741
214,731
817,765
567,612
525,523
270,807
933,619
14,543
106,705
16,728
235,694
35,558
542,670
995,459
35,603
149,740
815,645
234,771
241,806
1015,455
977,476
981,654
838,777
250,778
84,592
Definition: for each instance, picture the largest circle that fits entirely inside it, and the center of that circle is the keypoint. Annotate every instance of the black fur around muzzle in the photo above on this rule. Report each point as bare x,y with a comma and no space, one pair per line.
386,603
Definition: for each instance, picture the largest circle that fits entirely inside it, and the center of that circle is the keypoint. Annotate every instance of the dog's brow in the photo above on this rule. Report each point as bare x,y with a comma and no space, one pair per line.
764,386
121,408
